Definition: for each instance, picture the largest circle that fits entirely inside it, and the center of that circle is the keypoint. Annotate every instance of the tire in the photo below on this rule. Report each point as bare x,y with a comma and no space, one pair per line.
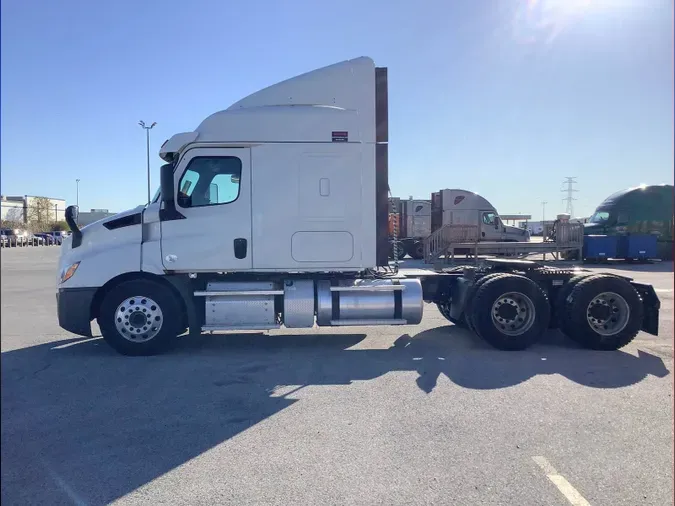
407,248
494,305
558,315
624,312
151,300
444,309
466,317
416,251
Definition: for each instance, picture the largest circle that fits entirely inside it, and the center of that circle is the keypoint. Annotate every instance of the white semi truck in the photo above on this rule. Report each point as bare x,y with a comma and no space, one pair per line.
273,213
417,219
462,207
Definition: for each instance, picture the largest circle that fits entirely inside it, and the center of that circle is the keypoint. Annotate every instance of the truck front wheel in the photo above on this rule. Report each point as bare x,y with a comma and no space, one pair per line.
510,312
140,317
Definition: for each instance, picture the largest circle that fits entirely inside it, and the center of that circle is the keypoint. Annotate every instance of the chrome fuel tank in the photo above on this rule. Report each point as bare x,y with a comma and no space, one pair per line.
369,302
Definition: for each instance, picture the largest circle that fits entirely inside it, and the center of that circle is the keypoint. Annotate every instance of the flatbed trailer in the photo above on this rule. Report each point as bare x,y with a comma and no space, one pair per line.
259,225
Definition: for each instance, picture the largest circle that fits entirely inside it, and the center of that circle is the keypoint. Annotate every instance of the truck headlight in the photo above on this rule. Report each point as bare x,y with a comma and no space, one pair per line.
69,272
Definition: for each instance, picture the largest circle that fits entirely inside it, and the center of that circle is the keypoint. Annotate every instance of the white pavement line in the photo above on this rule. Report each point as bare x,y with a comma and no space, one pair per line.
663,289
67,345
565,487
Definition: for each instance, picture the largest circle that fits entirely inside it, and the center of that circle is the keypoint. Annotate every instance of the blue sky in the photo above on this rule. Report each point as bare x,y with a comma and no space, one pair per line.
501,97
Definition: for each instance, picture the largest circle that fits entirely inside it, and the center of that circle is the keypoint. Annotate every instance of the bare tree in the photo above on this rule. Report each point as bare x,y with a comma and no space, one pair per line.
40,214
14,217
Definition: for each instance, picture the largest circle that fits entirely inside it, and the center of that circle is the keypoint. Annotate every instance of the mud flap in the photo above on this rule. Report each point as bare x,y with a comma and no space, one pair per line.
652,305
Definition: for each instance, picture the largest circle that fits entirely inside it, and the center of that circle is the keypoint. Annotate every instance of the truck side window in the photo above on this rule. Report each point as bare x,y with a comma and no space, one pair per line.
209,181
489,218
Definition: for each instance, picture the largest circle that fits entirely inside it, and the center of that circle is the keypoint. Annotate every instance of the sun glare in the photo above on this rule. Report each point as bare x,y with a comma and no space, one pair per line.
565,7
544,20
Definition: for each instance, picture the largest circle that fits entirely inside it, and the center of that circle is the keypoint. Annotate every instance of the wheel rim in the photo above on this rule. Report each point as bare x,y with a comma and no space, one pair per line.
608,313
513,313
138,319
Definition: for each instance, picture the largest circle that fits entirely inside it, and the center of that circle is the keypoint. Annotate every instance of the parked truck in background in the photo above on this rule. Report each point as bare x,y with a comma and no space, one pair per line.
638,210
413,220
409,225
462,207
289,239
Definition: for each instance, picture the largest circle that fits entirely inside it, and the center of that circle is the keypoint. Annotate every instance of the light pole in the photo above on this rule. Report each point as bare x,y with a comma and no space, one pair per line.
147,139
543,212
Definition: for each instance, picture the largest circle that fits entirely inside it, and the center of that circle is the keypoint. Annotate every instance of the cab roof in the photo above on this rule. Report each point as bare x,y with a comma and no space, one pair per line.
305,108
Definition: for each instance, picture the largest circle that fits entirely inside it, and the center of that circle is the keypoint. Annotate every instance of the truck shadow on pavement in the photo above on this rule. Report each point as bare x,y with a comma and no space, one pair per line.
83,425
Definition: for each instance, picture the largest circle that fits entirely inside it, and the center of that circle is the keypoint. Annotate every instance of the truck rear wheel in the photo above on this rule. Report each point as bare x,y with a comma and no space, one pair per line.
470,296
603,312
510,312
558,318
140,317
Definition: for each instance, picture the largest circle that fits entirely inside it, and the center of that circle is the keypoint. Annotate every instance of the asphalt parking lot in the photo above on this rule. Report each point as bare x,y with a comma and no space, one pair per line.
411,415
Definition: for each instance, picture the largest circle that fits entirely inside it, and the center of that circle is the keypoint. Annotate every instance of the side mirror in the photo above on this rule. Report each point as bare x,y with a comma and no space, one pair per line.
496,223
169,212
72,212
166,183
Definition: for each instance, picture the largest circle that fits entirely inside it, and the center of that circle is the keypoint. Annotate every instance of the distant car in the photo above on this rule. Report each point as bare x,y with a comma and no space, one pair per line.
35,239
15,237
43,238
58,236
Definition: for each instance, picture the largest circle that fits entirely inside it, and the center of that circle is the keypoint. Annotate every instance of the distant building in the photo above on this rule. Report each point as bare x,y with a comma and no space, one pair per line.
92,216
17,208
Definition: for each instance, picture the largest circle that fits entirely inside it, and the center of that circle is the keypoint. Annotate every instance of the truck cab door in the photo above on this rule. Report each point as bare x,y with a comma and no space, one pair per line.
489,226
211,230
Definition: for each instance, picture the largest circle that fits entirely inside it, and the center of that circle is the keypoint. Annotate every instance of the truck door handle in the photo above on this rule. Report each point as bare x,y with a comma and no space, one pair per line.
483,234
240,246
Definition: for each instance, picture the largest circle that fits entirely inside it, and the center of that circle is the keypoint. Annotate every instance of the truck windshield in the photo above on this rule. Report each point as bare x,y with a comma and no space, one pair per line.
154,199
599,217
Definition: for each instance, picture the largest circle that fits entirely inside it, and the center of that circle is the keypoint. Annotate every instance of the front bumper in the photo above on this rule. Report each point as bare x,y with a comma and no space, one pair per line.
74,309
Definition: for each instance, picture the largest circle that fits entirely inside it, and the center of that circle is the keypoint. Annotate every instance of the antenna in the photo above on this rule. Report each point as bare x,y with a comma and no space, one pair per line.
570,190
